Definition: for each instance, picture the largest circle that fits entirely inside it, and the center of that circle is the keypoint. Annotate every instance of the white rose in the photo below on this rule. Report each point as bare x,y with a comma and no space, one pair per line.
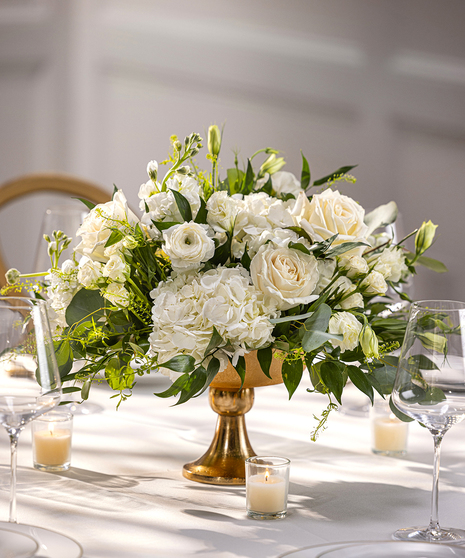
328,214
98,224
188,245
222,210
117,294
89,272
287,276
347,325
354,265
116,269
373,284
391,264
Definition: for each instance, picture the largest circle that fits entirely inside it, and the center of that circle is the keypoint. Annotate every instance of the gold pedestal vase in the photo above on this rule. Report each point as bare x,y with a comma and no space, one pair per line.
224,461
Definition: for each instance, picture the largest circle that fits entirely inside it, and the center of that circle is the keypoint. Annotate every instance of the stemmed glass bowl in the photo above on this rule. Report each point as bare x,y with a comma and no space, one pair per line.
430,388
29,378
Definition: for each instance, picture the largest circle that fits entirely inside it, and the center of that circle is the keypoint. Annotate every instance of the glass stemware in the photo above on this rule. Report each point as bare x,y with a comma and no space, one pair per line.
29,379
430,388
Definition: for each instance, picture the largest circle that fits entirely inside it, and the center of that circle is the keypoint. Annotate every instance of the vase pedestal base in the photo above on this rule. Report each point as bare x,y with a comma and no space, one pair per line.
224,461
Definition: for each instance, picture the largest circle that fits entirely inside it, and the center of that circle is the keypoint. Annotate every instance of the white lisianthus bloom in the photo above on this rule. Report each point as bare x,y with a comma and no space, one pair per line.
374,284
354,265
391,264
188,245
347,325
116,269
331,213
188,306
283,182
222,210
89,273
117,294
287,276
98,224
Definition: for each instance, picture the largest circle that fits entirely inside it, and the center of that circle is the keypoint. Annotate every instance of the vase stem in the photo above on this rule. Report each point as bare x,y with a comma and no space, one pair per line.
224,461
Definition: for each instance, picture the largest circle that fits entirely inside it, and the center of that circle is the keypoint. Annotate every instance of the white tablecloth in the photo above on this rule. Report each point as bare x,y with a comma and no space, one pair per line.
125,496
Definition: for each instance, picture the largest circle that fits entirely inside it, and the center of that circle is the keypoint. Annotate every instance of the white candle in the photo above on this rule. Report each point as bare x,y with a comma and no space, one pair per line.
53,446
389,434
266,493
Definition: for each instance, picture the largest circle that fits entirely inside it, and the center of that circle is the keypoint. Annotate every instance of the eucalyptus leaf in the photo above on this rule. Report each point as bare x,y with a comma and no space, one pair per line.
86,304
381,217
399,414
344,247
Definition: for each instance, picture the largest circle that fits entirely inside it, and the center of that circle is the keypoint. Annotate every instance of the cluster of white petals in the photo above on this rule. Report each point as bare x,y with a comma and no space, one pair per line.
162,205
391,264
63,285
98,225
188,306
346,324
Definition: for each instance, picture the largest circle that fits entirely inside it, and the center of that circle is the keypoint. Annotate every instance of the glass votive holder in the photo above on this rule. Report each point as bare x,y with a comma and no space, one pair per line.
388,433
267,486
51,441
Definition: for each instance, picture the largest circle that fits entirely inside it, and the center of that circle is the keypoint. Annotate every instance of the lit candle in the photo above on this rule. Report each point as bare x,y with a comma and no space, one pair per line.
51,441
266,493
389,434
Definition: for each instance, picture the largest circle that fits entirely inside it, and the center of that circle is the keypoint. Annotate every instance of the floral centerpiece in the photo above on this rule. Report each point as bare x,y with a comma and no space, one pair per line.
217,267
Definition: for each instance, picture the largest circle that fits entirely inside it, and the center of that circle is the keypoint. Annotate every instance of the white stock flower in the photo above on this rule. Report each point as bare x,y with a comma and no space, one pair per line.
354,265
347,325
117,294
188,245
89,273
98,224
222,211
374,284
188,306
287,276
391,264
116,269
331,213
63,285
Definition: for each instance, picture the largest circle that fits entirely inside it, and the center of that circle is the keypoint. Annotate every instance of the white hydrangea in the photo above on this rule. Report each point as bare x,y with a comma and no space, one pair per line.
188,306
348,326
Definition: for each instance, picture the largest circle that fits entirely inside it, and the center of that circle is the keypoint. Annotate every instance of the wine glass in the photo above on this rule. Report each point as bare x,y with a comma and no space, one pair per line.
66,217
29,379
430,387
